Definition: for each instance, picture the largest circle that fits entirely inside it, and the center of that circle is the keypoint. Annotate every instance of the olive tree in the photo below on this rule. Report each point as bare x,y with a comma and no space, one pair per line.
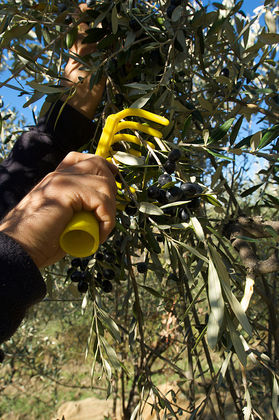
186,285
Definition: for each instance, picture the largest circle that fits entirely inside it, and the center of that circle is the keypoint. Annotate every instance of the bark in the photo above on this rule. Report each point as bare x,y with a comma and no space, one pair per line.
255,228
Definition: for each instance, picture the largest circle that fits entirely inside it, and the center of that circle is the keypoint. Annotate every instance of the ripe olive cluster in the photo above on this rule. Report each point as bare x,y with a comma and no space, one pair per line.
79,274
187,191
105,268
104,275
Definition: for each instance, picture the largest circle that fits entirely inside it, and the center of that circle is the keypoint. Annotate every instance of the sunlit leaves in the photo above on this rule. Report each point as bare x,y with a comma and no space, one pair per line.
216,305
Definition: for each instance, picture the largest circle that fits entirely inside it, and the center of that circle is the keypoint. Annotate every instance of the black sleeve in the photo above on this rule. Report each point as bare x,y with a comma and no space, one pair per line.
39,151
21,285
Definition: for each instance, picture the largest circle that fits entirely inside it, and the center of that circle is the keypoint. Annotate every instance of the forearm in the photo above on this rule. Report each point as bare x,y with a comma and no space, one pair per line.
39,151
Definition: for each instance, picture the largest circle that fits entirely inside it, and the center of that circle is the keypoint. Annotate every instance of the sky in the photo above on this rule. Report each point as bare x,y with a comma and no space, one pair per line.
11,98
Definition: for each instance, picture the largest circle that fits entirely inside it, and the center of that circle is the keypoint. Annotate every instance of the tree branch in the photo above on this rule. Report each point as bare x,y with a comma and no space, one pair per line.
254,228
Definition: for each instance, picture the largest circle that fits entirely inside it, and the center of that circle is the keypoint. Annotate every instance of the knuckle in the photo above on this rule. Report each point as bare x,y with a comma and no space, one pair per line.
99,160
71,156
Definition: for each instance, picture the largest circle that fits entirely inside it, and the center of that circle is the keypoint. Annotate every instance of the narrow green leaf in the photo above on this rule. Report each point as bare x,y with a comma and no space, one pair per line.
251,190
269,39
106,42
44,88
237,343
16,31
212,200
140,102
128,159
71,37
112,357
235,130
275,395
271,231
186,127
152,243
141,86
244,142
225,283
221,378
177,13
130,38
218,155
174,204
95,78
109,323
114,20
220,132
108,369
23,53
274,199
192,250
151,290
5,23
269,135
255,140
149,208
16,88
247,238
200,39
216,305
198,228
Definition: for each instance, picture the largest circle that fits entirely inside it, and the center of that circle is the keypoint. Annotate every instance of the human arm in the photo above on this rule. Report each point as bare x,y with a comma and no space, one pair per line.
30,232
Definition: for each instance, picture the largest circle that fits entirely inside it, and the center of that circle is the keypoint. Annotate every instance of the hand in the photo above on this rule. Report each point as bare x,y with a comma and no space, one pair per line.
80,182
84,100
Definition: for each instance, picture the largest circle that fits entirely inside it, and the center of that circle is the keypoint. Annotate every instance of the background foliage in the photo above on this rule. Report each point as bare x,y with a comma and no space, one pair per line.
203,315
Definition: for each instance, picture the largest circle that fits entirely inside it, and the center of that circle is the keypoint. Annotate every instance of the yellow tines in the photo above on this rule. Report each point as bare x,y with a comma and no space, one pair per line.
81,236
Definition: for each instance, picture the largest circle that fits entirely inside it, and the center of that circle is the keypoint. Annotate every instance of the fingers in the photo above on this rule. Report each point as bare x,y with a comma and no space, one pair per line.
73,192
92,187
87,162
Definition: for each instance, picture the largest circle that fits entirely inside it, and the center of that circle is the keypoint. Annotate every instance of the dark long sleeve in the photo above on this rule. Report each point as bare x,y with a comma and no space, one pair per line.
36,153
21,285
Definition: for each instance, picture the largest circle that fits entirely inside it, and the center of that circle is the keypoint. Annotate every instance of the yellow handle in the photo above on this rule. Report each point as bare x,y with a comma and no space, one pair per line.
81,236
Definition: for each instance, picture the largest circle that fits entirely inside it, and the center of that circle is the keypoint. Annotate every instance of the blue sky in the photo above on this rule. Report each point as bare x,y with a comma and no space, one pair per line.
11,97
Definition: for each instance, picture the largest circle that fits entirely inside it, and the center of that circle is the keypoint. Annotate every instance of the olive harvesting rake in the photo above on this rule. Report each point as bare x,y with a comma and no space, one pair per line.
81,236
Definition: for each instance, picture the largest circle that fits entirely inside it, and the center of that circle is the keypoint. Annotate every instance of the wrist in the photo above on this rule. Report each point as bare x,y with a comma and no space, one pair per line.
11,231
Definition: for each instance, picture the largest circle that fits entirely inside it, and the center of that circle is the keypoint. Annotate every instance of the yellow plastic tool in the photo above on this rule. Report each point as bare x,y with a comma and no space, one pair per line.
81,236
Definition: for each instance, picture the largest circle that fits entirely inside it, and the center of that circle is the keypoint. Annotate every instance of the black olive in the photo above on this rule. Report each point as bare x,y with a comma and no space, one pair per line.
164,179
82,286
174,155
169,167
107,286
142,267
